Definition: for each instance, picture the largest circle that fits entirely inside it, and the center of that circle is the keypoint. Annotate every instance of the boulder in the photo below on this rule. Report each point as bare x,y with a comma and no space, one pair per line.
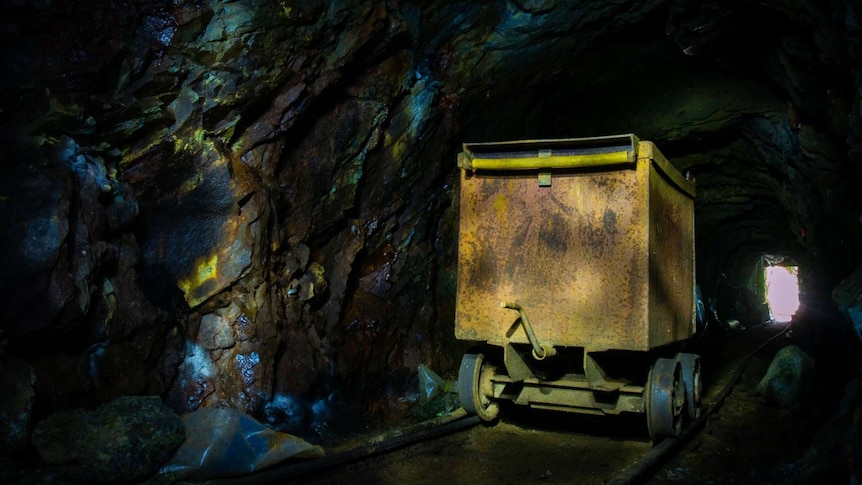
789,380
126,440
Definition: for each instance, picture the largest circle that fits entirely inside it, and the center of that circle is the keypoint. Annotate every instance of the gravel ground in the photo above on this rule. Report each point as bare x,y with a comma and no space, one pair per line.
748,440
745,441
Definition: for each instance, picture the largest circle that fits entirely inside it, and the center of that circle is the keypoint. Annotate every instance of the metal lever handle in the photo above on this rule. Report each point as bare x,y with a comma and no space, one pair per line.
540,350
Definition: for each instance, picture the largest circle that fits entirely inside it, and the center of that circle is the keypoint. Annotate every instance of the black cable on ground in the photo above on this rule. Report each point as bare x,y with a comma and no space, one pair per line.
455,421
660,453
458,421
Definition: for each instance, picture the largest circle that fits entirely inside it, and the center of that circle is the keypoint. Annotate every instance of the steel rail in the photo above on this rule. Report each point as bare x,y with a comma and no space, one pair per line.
662,452
459,420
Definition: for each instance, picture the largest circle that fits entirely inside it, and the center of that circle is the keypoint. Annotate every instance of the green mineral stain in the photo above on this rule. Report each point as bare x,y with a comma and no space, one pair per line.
195,142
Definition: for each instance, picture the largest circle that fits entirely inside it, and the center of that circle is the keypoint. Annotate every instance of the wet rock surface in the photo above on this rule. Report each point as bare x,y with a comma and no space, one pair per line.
253,202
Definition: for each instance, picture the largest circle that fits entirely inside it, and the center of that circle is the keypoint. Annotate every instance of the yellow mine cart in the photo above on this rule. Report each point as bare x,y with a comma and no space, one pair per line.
575,277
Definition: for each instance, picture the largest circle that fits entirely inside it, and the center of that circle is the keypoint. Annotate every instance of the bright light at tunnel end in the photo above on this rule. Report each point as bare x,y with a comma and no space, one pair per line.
782,292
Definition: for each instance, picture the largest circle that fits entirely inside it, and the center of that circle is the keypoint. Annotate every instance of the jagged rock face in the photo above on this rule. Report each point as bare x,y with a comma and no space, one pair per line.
252,201
234,201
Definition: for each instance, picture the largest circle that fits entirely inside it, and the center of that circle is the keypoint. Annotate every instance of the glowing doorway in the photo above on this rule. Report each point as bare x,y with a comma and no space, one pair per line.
782,291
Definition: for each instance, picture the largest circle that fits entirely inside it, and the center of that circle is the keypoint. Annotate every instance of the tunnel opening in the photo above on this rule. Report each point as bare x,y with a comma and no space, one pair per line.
782,291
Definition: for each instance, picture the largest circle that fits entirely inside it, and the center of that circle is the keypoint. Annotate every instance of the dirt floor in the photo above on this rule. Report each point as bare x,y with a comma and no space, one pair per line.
516,450
745,441
749,440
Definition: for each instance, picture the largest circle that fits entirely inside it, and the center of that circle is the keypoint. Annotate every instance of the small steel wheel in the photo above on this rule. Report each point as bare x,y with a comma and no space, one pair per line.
664,399
474,387
690,368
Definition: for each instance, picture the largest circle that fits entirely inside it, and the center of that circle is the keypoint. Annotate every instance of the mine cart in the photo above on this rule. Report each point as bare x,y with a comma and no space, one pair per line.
576,280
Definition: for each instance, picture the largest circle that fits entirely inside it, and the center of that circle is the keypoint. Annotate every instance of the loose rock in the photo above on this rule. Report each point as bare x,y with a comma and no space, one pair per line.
789,380
125,440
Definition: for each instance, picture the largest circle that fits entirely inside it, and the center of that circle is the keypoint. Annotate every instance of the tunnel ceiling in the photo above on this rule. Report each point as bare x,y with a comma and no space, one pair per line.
747,99
234,201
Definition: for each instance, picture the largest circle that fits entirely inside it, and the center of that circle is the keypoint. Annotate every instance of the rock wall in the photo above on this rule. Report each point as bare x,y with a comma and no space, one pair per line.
223,202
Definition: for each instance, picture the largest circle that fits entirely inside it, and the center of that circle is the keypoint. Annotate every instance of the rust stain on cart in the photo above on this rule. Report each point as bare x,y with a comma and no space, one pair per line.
594,239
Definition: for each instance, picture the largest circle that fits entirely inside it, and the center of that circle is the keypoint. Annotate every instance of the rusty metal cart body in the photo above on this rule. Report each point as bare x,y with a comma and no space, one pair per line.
575,271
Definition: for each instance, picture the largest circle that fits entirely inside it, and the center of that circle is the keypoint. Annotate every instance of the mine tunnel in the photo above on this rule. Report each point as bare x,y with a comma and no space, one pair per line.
253,204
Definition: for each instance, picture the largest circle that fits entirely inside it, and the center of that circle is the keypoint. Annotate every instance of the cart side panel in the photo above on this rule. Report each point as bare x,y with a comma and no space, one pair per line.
671,257
574,255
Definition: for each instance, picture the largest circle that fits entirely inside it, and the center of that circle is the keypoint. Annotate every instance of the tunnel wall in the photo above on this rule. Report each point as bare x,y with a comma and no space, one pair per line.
250,202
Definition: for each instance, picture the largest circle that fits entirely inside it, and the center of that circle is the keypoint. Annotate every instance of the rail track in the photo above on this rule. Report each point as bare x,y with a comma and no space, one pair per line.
523,447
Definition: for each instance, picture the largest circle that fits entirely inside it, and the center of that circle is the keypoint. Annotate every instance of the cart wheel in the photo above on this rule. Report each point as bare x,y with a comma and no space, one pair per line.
474,387
665,400
690,367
